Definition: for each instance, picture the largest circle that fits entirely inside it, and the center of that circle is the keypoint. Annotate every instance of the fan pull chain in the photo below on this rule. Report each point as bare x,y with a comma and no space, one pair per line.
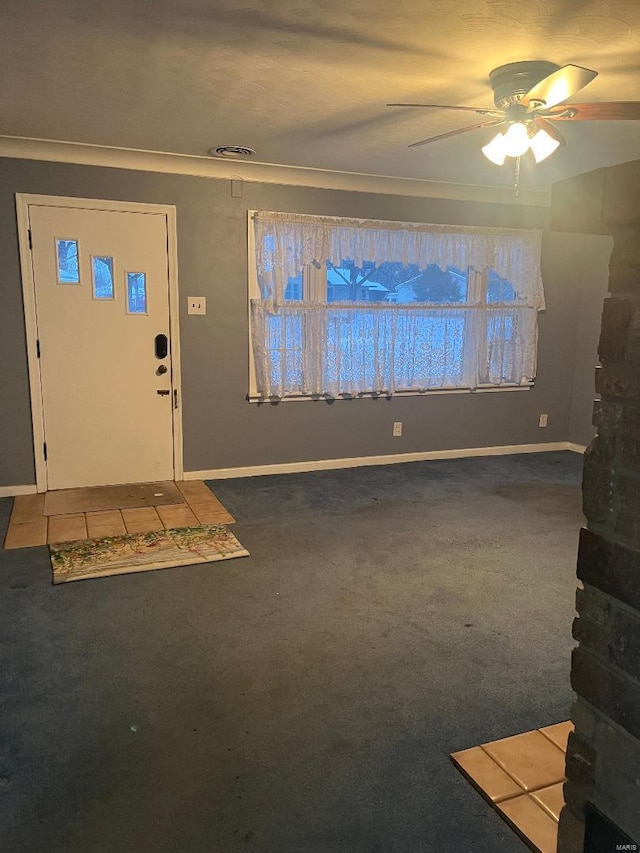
516,186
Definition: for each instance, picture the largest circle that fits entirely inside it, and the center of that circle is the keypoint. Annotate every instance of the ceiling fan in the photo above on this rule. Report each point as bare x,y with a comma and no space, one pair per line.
529,97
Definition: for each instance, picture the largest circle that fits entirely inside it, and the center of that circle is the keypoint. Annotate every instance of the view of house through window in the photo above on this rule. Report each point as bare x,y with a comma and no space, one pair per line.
340,326
399,283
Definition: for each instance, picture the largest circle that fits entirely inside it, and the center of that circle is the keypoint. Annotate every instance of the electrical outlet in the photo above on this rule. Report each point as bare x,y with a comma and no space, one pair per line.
544,420
397,429
196,305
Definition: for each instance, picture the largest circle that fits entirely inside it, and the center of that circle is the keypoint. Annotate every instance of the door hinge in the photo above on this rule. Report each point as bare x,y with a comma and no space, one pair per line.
44,447
38,348
175,399
30,239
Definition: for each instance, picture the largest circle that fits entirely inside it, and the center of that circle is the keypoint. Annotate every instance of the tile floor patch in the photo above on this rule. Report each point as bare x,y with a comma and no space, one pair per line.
485,774
533,762
551,799
26,534
96,498
64,528
30,527
531,759
559,733
141,520
177,516
532,822
27,508
104,523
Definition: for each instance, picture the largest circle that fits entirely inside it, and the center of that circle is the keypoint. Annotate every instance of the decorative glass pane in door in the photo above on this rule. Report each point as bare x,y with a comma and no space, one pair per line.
102,271
67,261
137,292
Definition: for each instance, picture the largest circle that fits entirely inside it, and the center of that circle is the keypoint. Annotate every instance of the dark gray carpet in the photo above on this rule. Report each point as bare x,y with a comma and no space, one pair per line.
304,699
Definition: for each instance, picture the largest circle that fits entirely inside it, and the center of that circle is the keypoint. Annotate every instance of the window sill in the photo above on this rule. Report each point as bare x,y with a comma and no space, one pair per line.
302,398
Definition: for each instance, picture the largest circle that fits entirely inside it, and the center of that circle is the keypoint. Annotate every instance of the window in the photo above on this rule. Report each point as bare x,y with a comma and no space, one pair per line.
350,307
102,270
67,254
136,293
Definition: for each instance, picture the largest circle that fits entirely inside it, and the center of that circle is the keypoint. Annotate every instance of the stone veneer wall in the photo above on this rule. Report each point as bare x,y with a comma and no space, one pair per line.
603,755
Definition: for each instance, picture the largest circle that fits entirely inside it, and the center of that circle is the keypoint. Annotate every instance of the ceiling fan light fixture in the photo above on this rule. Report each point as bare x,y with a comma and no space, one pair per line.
530,97
542,145
514,143
517,141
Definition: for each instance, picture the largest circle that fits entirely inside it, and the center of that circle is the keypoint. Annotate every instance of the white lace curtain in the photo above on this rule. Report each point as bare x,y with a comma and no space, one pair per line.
345,349
286,242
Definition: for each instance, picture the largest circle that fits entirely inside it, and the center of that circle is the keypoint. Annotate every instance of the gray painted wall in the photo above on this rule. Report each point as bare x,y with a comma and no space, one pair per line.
221,429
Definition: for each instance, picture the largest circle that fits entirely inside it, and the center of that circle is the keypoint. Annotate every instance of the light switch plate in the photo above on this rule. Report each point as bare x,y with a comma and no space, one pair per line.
196,305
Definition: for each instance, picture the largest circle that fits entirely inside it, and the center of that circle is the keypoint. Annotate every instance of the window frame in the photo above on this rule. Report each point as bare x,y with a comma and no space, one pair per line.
477,286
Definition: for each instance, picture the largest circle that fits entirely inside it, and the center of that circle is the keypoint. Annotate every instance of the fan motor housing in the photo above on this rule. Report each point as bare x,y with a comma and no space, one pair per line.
510,83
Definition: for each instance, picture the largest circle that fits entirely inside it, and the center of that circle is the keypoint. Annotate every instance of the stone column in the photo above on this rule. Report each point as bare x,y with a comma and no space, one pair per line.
603,755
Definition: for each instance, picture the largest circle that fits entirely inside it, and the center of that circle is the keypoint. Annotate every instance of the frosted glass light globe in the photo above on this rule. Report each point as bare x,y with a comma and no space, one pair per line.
516,140
542,145
494,150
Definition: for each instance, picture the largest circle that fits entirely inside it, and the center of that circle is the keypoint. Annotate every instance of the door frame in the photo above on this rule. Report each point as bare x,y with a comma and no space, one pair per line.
23,202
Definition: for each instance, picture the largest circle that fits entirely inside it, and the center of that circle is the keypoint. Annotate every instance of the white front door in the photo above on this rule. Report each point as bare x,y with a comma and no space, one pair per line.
102,307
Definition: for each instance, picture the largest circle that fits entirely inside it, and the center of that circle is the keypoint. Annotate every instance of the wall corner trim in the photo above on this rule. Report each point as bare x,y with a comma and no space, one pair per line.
576,448
358,461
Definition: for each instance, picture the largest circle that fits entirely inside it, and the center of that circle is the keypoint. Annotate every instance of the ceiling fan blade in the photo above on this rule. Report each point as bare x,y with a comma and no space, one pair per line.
553,131
559,86
492,123
604,111
479,110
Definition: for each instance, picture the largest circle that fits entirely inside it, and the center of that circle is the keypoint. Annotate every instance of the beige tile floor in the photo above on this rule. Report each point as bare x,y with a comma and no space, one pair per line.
28,526
522,777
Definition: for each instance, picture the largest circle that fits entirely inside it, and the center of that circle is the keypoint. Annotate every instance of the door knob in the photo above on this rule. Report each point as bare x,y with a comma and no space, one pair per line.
162,369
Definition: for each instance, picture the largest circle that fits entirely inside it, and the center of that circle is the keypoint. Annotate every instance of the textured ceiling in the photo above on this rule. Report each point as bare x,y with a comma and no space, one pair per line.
305,82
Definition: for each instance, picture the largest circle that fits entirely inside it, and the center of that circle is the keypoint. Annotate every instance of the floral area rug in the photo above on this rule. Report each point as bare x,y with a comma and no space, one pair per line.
142,552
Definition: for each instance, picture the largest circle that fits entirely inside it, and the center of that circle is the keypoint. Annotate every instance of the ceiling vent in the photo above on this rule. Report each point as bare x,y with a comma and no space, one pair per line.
231,151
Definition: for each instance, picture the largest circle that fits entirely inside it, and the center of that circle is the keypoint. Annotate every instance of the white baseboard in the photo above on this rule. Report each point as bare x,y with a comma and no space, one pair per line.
577,448
392,459
12,491
355,462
